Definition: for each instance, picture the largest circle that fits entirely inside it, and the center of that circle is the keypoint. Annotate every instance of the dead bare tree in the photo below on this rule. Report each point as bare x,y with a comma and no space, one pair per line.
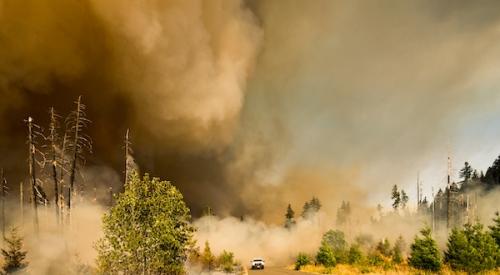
3,191
21,201
62,172
130,165
78,144
53,153
32,130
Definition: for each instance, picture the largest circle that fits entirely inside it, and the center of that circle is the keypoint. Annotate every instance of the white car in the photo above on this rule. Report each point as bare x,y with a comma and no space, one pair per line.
257,263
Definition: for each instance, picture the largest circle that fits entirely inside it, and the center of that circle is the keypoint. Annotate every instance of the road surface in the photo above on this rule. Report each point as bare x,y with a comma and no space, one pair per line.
275,271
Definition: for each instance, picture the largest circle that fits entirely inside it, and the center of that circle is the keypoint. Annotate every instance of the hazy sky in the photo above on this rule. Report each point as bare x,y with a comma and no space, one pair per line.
386,87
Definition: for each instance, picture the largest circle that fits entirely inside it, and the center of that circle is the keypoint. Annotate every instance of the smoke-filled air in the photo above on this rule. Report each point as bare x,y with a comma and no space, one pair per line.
249,137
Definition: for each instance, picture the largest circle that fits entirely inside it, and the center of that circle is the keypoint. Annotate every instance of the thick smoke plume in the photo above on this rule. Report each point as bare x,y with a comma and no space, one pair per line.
248,105
174,72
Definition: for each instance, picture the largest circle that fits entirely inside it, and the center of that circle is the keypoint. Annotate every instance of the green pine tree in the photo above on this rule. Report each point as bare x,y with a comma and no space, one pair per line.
467,172
306,210
495,228
425,253
148,230
14,255
207,258
289,217
398,250
396,197
384,247
343,213
471,249
404,199
311,208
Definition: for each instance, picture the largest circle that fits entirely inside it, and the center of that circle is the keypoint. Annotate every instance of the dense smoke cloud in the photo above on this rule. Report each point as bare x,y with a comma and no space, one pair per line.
174,72
379,90
247,106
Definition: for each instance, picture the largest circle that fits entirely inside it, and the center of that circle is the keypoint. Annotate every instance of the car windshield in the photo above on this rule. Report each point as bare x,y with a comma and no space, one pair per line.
257,260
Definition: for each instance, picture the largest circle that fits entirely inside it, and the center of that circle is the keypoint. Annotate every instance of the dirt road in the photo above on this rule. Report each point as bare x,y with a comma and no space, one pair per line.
275,271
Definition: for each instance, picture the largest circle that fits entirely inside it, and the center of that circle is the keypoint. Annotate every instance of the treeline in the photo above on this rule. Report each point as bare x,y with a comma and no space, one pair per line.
470,249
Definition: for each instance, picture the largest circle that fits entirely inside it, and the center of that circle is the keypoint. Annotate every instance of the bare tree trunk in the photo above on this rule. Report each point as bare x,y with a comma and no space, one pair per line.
4,186
62,158
127,149
21,202
74,154
32,173
110,196
78,143
52,137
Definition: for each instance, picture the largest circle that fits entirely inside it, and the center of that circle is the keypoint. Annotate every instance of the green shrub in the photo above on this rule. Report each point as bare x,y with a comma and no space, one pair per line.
495,228
325,256
471,249
397,251
354,255
384,247
424,252
302,260
207,258
375,258
226,261
335,239
495,232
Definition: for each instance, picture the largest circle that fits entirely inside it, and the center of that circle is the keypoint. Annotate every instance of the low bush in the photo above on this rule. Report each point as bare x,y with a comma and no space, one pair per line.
302,260
354,255
325,256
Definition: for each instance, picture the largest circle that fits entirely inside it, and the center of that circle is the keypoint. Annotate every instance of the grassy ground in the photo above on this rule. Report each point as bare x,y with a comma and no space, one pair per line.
344,269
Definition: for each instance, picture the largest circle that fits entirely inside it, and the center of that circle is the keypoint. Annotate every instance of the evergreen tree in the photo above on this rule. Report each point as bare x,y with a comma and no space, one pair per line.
404,199
384,247
495,228
396,197
146,231
315,204
492,176
343,213
467,172
306,210
424,252
14,255
289,217
207,258
471,249
398,250
311,207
